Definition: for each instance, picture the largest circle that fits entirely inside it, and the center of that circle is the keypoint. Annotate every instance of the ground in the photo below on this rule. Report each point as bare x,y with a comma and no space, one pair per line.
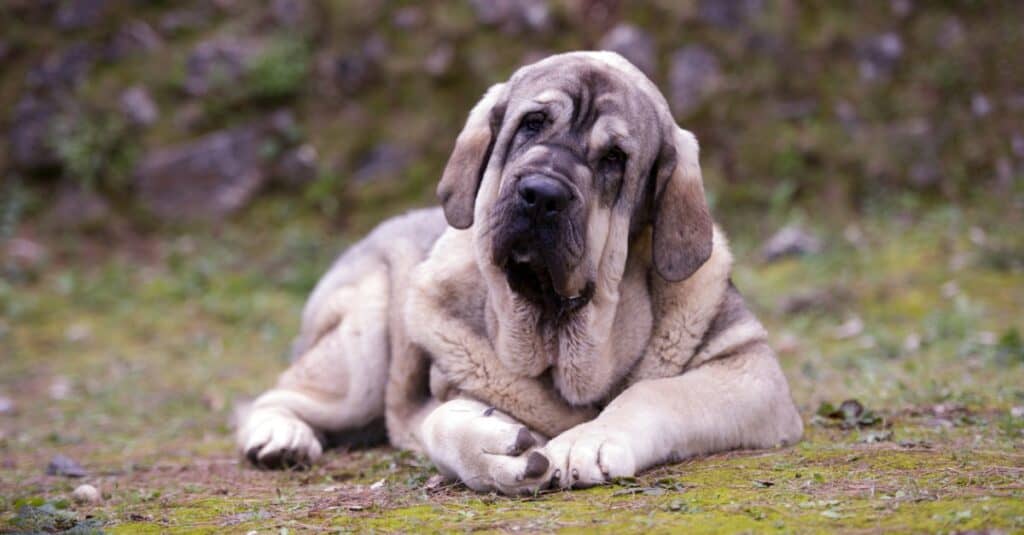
130,360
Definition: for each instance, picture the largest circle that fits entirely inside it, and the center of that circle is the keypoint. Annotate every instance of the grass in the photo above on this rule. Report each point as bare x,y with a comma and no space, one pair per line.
130,359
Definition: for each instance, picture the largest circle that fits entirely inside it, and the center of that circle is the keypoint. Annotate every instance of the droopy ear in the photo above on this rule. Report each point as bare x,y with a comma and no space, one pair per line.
682,224
466,166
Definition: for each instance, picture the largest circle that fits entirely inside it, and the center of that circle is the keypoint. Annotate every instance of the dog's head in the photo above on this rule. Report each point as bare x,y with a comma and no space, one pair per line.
564,164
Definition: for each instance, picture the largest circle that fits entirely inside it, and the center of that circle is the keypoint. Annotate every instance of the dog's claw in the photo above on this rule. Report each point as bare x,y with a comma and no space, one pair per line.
524,441
536,465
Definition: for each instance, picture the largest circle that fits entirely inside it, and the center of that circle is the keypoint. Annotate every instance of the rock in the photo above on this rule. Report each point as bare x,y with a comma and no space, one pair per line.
850,328
594,16
439,62
77,333
184,20
6,405
820,300
513,16
925,174
138,106
61,465
65,68
78,208
385,161
297,168
32,122
216,63
879,56
60,388
728,14
215,175
951,34
79,14
86,494
290,13
135,37
901,8
354,69
633,44
25,254
408,18
791,240
981,106
694,74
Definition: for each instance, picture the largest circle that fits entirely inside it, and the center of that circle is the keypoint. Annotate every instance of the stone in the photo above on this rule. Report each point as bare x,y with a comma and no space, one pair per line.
791,240
78,208
65,68
439,61
513,16
135,37
385,161
215,175
218,62
1017,144
633,44
61,465
297,168
355,69
728,14
925,174
981,106
901,8
86,494
6,405
184,20
80,14
290,13
138,106
879,56
694,74
408,18
32,122
25,254
951,34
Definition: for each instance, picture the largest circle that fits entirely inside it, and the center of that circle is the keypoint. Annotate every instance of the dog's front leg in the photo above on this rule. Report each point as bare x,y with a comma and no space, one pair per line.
741,401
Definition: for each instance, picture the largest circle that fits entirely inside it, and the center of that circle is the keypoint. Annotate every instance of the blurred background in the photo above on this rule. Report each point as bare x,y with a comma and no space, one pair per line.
176,175
153,112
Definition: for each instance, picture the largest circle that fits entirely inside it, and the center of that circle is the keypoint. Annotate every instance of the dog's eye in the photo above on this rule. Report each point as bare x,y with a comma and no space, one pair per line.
534,122
614,158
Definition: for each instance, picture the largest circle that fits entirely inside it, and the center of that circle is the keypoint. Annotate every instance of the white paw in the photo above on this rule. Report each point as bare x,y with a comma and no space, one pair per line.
484,448
589,455
276,439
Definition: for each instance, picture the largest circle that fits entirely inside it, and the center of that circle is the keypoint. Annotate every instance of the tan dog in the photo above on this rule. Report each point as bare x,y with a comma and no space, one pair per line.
581,288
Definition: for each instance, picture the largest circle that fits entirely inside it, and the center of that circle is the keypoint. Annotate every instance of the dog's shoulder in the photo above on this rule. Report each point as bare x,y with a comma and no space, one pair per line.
449,281
684,313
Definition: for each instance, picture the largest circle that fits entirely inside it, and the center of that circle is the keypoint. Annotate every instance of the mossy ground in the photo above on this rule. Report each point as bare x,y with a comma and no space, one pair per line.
129,359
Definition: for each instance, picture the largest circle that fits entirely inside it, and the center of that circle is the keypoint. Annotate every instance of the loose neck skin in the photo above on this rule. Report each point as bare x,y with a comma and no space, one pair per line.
585,360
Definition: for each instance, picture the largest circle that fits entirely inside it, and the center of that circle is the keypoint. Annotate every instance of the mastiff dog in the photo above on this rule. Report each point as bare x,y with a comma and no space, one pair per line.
565,318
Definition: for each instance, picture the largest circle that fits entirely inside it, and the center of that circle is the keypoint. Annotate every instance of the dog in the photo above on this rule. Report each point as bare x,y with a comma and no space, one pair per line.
565,318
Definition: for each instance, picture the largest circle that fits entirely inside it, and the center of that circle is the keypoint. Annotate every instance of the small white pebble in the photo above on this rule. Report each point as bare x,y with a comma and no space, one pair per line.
86,494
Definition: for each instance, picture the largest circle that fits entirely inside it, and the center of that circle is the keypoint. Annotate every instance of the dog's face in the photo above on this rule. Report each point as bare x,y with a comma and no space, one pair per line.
562,166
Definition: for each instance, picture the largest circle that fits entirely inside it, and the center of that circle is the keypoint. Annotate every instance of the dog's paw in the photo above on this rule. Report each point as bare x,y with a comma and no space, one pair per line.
272,439
589,455
484,448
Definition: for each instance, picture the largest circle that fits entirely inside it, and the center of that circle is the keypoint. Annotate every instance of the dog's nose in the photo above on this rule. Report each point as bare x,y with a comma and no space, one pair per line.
543,196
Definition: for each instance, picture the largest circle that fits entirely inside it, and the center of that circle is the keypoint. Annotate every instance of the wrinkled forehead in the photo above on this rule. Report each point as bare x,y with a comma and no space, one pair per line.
588,91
